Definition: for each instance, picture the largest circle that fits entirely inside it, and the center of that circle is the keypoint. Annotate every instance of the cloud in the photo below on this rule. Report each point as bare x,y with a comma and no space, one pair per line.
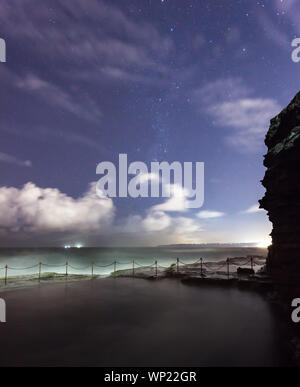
291,10
32,214
6,158
31,209
67,135
210,214
100,41
186,227
219,90
86,108
273,32
248,117
162,225
232,106
281,34
177,201
99,38
146,177
253,209
157,219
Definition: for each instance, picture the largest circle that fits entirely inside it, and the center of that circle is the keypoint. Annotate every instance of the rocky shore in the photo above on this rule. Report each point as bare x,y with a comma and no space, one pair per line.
31,280
238,271
282,197
282,201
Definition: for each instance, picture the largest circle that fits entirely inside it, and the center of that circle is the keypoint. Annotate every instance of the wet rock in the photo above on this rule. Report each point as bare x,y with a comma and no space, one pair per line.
244,271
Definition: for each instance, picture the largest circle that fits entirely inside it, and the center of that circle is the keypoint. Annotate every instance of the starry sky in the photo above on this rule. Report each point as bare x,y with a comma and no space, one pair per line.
160,80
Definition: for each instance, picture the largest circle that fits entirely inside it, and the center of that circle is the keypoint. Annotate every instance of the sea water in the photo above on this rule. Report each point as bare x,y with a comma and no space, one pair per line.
20,261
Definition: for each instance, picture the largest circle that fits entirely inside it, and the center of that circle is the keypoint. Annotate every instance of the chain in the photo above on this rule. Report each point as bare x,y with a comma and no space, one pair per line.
22,268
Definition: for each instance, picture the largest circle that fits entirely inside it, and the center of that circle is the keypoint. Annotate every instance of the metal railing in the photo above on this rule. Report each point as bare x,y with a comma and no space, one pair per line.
203,267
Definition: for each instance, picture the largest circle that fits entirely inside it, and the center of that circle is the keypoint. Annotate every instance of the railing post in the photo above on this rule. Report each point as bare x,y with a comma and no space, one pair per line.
227,267
67,268
133,268
115,264
155,268
6,267
177,265
201,268
251,262
40,269
92,269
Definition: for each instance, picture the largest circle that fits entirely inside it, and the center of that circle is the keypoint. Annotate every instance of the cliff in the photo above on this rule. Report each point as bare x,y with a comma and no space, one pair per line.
282,183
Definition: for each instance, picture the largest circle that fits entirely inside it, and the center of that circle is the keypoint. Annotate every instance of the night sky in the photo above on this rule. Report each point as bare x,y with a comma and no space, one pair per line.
160,80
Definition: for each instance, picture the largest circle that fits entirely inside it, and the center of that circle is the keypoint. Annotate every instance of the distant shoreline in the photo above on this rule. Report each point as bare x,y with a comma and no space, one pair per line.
179,246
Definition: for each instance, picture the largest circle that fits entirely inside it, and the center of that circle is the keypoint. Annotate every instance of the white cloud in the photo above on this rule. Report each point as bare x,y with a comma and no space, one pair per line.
248,117
186,227
253,209
210,214
219,90
177,201
163,224
145,177
231,105
45,210
48,216
156,221
6,158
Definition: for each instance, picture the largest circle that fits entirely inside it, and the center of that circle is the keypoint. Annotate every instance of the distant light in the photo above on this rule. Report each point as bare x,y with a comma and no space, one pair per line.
265,243
67,246
78,246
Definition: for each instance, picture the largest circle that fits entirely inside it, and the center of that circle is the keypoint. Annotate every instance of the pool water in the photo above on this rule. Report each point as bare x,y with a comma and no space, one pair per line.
135,322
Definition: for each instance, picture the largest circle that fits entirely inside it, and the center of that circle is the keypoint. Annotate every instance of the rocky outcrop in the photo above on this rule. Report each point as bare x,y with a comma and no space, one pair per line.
282,183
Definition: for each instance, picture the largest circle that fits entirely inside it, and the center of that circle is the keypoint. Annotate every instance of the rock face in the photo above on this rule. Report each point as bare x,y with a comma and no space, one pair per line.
282,183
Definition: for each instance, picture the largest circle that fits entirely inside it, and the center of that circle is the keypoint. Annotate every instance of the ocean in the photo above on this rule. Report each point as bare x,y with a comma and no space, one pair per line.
22,261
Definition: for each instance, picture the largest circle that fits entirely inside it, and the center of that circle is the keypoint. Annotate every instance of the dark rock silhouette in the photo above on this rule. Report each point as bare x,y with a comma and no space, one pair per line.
282,183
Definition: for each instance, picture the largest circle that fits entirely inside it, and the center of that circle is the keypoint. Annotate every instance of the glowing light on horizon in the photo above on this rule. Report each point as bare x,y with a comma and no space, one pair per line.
78,246
265,243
